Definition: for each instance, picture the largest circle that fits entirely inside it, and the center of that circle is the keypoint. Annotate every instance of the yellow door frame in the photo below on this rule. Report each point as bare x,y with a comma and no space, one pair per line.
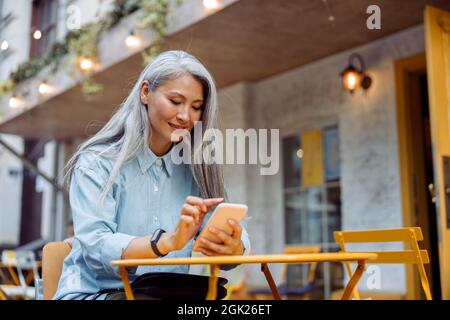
403,69
437,39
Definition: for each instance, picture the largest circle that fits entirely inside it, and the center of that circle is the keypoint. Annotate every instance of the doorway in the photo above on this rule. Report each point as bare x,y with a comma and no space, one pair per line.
416,167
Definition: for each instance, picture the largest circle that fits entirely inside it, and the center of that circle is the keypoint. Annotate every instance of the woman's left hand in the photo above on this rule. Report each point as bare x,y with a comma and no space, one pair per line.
229,245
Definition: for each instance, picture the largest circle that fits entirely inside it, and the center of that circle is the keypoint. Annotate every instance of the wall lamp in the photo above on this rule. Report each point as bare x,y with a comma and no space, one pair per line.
352,77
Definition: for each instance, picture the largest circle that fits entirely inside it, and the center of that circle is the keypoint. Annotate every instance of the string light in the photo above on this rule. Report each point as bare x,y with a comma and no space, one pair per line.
14,102
45,88
86,64
132,41
331,17
37,34
4,46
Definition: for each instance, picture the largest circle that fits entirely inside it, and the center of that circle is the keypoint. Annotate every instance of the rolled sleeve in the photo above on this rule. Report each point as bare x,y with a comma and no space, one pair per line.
113,247
95,224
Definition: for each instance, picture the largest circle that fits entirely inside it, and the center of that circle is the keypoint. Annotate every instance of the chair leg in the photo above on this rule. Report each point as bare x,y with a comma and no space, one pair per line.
3,296
268,275
354,280
14,277
424,281
350,274
420,267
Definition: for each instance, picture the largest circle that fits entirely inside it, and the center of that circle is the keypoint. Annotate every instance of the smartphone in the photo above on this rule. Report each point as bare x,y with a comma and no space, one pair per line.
219,220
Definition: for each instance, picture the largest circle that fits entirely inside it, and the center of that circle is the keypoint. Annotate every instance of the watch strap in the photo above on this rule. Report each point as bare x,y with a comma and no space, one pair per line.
154,241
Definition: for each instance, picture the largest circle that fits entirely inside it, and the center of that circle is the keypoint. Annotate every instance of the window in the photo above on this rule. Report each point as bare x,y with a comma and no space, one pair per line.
312,196
43,19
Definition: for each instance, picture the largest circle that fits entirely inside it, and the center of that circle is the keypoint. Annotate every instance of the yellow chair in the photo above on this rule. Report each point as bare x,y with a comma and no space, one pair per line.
3,295
53,256
18,263
304,292
412,255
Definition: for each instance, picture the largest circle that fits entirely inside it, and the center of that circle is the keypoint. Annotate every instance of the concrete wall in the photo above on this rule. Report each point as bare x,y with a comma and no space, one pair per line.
17,34
312,97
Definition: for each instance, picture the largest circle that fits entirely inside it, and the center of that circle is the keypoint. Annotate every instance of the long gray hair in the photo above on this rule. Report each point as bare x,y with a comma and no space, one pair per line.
128,129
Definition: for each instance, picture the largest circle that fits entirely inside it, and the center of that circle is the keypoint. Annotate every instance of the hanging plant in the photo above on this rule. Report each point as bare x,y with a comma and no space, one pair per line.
154,17
82,44
90,88
121,9
31,68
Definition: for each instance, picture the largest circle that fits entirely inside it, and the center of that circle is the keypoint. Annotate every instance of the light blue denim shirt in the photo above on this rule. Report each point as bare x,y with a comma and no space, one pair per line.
147,194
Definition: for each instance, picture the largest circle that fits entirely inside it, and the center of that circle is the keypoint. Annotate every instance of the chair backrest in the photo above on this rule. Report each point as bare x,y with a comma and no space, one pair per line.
412,255
53,256
298,250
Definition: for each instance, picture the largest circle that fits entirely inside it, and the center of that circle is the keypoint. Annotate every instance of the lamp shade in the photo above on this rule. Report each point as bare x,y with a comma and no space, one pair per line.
353,78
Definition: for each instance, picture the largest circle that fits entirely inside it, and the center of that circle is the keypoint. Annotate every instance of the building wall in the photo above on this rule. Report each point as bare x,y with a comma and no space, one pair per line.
312,97
17,34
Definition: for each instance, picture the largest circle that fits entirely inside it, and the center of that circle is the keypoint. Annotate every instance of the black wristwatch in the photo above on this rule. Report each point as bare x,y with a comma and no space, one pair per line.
154,241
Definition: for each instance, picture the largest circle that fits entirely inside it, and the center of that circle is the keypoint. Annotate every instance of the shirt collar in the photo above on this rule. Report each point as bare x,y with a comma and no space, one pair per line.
146,158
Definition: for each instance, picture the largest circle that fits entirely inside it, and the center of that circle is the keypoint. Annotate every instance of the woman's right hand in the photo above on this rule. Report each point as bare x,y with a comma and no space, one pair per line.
193,212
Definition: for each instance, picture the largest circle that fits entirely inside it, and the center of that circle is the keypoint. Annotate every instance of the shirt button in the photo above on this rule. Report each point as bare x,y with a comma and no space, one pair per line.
155,188
159,162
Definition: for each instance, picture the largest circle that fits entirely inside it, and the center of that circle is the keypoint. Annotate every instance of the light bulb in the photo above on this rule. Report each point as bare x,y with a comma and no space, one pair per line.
37,34
4,46
351,80
45,88
132,41
86,64
14,102
211,4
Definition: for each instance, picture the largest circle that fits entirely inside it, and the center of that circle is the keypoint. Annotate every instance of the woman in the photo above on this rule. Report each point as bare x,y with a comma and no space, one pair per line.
125,188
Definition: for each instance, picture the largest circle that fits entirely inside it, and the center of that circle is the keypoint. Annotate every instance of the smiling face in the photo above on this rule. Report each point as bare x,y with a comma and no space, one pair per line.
173,107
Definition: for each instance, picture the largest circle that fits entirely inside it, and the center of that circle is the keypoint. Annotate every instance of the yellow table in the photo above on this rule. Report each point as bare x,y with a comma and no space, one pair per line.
358,257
